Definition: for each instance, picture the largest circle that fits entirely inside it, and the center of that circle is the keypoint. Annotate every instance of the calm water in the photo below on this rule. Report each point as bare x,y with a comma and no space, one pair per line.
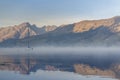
59,65
47,75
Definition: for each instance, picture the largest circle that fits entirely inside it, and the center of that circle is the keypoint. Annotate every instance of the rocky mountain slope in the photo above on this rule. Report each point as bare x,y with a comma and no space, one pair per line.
88,32
21,31
112,23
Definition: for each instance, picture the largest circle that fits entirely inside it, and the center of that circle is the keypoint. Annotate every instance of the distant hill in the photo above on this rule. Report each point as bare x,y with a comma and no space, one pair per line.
104,32
21,31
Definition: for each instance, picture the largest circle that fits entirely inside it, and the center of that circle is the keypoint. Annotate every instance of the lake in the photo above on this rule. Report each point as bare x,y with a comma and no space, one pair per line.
59,64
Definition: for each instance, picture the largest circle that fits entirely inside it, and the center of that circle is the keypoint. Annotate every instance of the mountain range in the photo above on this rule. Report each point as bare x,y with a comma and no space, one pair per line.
103,32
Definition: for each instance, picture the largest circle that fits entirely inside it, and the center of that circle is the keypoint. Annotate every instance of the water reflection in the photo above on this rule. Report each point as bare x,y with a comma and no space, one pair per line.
49,75
60,65
26,64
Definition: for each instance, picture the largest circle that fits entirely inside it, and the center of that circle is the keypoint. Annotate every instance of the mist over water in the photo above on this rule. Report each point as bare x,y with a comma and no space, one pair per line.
62,58
61,50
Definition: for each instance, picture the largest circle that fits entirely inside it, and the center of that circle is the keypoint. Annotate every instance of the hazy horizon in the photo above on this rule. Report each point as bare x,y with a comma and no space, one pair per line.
60,50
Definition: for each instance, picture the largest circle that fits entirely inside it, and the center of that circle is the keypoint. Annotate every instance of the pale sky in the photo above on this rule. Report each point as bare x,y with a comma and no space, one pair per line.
55,12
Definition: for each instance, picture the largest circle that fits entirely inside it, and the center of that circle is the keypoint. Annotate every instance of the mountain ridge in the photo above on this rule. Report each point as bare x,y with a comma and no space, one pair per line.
21,31
103,31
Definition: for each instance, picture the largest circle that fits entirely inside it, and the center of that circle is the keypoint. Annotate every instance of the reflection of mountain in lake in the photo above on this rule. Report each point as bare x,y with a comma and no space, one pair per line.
82,64
25,65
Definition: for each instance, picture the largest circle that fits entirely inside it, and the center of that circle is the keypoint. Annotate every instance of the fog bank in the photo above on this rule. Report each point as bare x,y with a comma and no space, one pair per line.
60,50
